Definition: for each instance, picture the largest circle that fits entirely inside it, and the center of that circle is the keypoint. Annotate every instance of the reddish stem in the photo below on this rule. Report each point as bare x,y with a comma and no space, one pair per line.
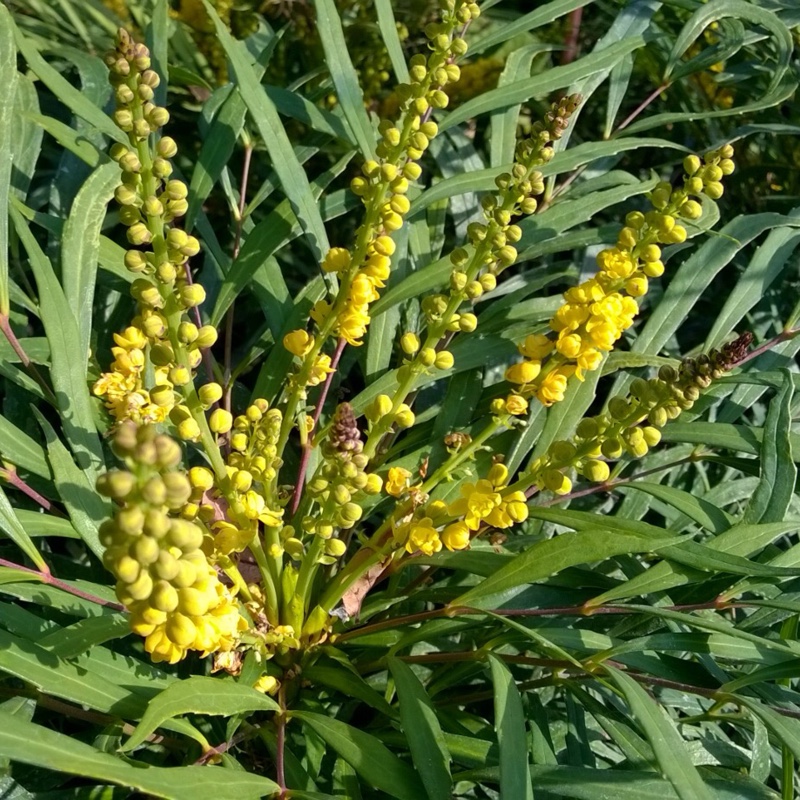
51,580
571,41
30,367
11,477
641,107
306,454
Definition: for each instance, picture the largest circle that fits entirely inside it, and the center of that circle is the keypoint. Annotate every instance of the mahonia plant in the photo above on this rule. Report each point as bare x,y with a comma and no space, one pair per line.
188,517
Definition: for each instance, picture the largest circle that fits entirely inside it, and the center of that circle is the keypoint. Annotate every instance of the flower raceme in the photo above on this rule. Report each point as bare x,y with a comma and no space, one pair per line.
596,313
383,186
632,424
157,354
174,596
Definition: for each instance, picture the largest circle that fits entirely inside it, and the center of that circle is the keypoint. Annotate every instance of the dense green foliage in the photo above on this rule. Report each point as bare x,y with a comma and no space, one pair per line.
633,634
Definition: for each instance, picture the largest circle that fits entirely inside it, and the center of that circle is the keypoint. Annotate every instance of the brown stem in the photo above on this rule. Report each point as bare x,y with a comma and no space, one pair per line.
307,447
10,476
30,367
571,40
641,107
51,580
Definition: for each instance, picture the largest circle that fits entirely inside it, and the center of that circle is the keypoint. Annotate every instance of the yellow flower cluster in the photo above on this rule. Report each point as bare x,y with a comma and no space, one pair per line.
150,201
384,183
632,425
340,482
491,250
483,503
174,596
596,313
250,485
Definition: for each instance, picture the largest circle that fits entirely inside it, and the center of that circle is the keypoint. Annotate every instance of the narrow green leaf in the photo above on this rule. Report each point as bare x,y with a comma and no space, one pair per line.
22,451
696,508
40,524
375,763
13,528
546,83
75,639
483,180
425,738
68,138
527,22
80,249
512,739
292,176
71,97
32,744
198,695
766,265
552,556
662,735
778,472
8,79
785,729
86,508
388,26
350,684
715,10
68,373
344,75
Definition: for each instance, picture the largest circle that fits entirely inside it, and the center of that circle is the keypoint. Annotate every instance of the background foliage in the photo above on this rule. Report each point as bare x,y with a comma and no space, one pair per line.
657,653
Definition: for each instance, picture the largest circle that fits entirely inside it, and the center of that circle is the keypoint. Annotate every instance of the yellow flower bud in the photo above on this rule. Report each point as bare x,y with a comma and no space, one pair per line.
206,337
556,482
653,269
444,360
516,405
335,547
220,421
524,372
379,407
427,356
373,485
410,343
384,246
201,478
467,322
209,394
636,286
456,536
691,164
189,430
596,471
404,417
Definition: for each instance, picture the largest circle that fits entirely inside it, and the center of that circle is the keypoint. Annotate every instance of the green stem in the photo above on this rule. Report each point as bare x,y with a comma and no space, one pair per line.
271,606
